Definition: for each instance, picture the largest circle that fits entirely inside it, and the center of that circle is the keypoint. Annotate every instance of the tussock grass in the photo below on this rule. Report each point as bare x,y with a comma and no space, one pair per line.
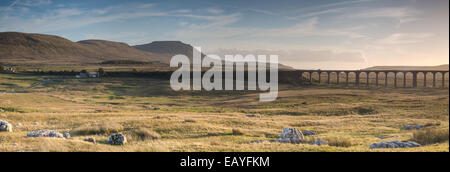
237,132
365,110
336,141
98,129
431,136
12,109
145,134
339,142
189,121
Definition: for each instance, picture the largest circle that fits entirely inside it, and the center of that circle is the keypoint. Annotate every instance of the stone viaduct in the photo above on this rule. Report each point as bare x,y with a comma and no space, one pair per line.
357,76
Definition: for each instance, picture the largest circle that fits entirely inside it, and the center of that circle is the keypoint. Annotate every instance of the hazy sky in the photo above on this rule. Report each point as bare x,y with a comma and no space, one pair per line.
324,34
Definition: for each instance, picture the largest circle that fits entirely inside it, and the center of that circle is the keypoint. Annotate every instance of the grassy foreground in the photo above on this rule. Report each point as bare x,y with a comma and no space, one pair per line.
350,119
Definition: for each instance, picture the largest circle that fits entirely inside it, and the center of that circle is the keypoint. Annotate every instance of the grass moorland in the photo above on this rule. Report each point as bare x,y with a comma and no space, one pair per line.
349,118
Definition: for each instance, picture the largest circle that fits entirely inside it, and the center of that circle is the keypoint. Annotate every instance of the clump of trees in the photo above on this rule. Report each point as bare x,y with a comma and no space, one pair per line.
118,62
101,72
64,73
2,68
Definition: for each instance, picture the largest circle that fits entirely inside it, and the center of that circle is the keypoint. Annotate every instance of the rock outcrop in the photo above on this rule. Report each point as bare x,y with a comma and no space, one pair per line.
90,139
5,126
66,135
319,142
117,139
45,133
308,133
415,127
394,144
259,141
291,135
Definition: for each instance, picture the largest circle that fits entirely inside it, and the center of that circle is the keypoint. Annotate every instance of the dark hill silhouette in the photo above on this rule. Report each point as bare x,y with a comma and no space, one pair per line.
171,48
168,48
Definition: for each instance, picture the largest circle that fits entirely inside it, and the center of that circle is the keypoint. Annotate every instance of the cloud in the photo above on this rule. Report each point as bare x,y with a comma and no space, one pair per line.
212,22
148,5
31,3
214,11
386,12
219,27
183,23
401,14
182,11
67,12
301,55
404,38
323,12
312,11
69,18
330,5
307,28
13,3
263,12
99,11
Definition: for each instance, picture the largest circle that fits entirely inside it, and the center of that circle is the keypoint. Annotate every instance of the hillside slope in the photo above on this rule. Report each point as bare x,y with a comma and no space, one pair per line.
24,48
109,50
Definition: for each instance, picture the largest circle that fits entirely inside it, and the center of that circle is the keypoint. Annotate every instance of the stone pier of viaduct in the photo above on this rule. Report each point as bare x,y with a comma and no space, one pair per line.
319,74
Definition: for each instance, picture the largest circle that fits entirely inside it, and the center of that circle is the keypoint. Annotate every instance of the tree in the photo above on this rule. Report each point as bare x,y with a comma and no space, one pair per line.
2,68
101,72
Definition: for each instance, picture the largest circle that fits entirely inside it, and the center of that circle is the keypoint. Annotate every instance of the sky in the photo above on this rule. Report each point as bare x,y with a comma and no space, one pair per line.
314,34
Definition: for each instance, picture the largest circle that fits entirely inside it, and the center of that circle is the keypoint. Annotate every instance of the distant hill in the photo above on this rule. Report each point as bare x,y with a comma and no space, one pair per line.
168,48
172,48
27,48
441,67
121,51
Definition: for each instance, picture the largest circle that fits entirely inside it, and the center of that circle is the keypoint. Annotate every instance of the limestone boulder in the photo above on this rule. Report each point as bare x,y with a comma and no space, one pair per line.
45,133
413,127
394,144
92,140
291,135
308,133
319,142
117,139
5,126
66,135
259,141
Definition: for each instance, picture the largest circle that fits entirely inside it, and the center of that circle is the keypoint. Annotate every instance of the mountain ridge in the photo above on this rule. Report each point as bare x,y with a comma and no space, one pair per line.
32,48
16,47
438,67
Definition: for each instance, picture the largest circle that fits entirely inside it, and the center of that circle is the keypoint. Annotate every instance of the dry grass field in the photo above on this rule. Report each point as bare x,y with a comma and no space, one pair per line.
349,118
